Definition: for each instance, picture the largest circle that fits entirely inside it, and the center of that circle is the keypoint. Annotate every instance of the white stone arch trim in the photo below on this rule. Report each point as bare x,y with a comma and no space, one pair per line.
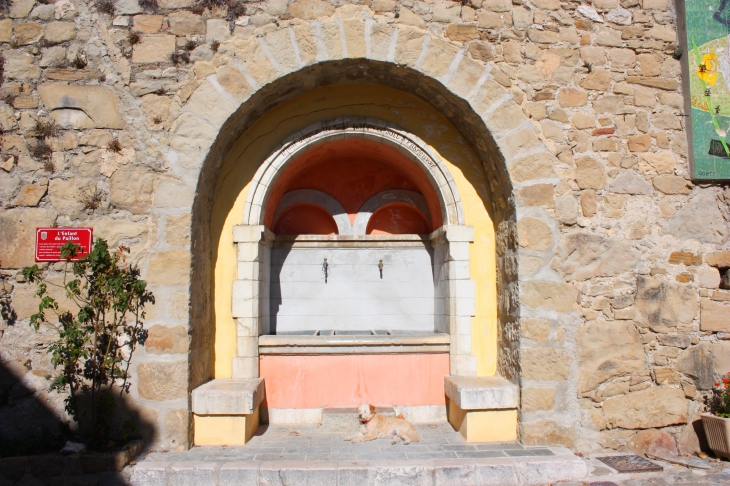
384,198
318,198
354,127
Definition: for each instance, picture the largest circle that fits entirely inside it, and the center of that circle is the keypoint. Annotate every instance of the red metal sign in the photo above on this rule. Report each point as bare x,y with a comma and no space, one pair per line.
48,242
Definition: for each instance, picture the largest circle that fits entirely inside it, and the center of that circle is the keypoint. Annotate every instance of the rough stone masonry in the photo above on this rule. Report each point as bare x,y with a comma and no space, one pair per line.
623,327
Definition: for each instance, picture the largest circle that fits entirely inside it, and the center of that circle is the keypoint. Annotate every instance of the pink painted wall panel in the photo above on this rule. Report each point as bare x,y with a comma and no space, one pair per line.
349,380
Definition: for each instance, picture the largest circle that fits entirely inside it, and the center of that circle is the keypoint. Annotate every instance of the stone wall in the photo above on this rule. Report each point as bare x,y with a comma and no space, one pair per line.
608,255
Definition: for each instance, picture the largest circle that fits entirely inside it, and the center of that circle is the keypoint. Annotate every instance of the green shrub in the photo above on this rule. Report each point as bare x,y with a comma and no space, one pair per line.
94,346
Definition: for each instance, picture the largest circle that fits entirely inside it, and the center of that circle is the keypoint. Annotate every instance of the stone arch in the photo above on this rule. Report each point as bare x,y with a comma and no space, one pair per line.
383,199
256,74
374,130
319,198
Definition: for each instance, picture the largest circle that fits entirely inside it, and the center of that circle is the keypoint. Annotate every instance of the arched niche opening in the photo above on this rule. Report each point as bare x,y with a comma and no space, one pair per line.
235,201
368,193
340,88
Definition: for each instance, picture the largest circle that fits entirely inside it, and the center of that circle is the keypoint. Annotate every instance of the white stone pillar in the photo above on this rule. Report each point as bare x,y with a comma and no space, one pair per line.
459,294
250,306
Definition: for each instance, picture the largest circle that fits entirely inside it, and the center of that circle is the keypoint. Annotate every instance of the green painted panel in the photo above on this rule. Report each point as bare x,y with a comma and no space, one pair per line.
708,27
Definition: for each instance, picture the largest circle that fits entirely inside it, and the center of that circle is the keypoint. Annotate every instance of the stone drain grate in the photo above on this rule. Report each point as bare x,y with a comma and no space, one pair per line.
630,464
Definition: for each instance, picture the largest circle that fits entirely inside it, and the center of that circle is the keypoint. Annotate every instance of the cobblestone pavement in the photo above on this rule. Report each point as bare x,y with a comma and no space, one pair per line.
311,443
300,444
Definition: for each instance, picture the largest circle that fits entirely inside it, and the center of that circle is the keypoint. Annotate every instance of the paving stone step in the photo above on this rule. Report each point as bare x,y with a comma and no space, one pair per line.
535,470
345,419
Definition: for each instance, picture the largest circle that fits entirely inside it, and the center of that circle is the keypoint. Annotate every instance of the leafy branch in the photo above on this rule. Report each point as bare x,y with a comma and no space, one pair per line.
94,346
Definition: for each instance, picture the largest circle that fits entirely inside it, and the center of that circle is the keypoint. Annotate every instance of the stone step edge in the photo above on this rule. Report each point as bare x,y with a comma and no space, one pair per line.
523,471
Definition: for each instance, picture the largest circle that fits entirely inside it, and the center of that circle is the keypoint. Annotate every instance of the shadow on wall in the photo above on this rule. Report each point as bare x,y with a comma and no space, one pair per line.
32,434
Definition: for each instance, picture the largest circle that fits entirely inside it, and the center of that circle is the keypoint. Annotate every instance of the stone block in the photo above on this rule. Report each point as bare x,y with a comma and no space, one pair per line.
228,397
548,432
663,305
549,364
536,329
535,399
714,316
238,473
719,259
245,367
162,380
608,350
653,442
18,226
217,30
247,346
172,193
553,470
567,209
708,277
153,48
482,393
483,425
176,427
458,251
175,4
459,270
20,65
557,296
533,234
96,106
542,36
462,32
700,220
65,195
186,23
223,430
169,268
571,97
246,306
536,166
178,230
590,173
26,33
31,194
167,340
310,9
149,473
666,376
589,203
57,32
649,408
582,256
6,30
671,184
629,182
463,364
191,134
147,24
538,195
324,473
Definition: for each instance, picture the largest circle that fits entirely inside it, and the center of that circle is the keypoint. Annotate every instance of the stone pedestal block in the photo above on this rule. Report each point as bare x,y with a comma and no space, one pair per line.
226,411
228,397
231,430
483,425
484,408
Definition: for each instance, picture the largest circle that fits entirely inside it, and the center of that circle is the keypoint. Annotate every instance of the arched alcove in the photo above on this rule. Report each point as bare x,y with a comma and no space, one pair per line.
249,154
469,129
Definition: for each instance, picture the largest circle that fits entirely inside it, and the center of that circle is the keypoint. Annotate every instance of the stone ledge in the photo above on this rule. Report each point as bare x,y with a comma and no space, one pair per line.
354,344
482,392
228,397
564,466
